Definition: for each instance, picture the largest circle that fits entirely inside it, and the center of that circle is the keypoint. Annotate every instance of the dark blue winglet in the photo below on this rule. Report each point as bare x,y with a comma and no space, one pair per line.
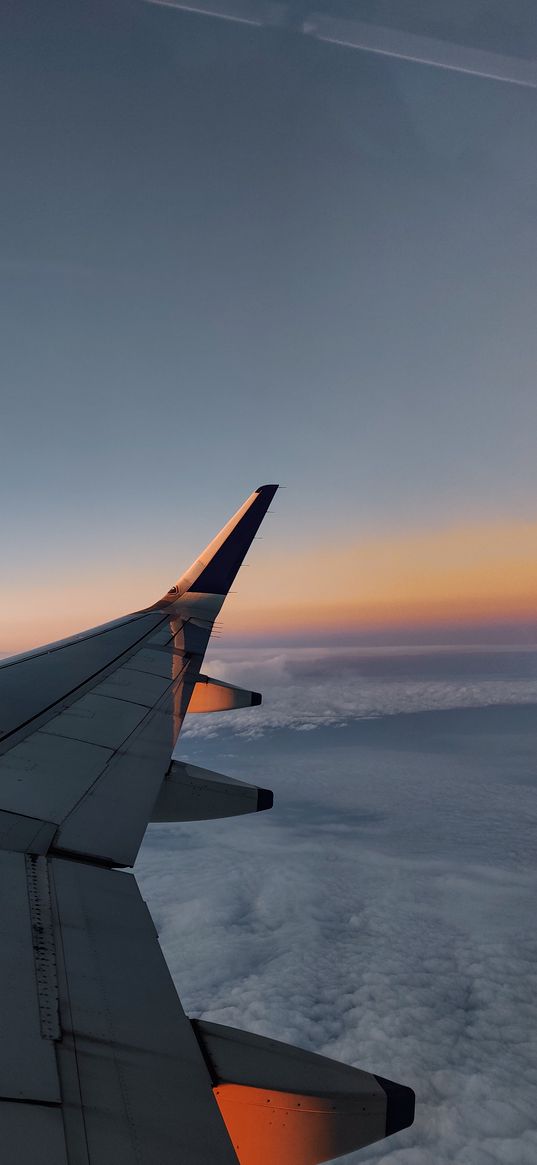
220,572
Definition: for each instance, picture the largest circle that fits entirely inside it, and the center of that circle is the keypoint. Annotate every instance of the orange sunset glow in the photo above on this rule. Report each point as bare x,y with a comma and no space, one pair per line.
462,574
466,574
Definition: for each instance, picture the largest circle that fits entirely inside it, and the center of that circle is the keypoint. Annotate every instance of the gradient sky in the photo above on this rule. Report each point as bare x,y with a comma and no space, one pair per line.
230,256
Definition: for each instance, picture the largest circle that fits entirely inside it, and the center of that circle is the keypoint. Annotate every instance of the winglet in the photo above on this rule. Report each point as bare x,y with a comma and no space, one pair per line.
214,571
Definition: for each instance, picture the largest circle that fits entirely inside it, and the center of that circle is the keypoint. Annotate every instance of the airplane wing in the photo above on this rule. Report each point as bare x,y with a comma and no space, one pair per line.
99,1065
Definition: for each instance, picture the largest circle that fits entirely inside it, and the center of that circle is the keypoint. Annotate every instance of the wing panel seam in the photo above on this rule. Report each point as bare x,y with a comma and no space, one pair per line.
65,696
121,748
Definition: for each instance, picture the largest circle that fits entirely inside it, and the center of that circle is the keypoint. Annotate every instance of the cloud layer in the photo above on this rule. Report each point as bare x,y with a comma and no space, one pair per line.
304,688
383,913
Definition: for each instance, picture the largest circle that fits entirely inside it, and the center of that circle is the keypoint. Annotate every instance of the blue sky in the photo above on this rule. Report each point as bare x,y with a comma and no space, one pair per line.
229,257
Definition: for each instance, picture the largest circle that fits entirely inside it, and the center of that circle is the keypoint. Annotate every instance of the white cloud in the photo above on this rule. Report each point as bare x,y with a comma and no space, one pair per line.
312,687
383,914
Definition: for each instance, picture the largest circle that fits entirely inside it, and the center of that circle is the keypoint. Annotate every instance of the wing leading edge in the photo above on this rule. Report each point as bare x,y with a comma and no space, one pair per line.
88,725
98,1063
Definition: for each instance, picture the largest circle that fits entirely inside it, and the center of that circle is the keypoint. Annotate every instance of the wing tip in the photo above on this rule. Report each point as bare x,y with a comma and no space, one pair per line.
265,799
265,489
400,1105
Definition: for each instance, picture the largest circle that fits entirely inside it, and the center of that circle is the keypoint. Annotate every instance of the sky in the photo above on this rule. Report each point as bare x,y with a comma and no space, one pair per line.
230,256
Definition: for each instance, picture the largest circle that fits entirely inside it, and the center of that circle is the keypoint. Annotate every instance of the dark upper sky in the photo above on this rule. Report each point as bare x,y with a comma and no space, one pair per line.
231,255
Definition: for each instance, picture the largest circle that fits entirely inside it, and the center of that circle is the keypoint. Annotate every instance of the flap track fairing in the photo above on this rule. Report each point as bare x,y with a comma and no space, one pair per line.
283,1104
216,696
190,793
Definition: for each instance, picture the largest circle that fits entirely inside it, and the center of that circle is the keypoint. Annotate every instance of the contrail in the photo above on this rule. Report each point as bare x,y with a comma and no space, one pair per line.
371,38
238,11
406,46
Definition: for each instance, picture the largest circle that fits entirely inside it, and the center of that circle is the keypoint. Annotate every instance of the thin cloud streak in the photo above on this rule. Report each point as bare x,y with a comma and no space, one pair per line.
381,40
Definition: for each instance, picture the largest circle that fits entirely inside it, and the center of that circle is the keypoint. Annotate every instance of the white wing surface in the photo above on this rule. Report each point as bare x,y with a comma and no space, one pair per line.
98,1063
